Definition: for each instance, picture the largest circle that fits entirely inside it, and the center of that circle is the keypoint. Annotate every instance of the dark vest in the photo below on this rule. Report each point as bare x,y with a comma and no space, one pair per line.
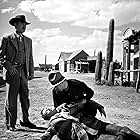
20,57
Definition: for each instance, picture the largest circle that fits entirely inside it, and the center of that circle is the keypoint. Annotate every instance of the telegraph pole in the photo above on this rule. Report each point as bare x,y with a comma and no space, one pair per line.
45,61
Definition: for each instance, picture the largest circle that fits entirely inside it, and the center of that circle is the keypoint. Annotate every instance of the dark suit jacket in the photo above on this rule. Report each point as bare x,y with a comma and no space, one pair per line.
9,49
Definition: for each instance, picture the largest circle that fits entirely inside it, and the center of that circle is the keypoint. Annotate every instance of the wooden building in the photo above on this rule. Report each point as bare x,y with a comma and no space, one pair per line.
77,61
131,54
68,60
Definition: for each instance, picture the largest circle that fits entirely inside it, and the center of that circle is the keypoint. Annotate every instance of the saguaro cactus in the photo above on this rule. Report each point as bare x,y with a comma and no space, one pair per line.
111,74
98,68
109,56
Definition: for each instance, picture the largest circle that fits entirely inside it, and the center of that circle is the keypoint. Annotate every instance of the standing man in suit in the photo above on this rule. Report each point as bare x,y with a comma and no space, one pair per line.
17,60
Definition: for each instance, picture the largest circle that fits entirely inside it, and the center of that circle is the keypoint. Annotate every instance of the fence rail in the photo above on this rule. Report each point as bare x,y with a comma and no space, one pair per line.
119,70
127,71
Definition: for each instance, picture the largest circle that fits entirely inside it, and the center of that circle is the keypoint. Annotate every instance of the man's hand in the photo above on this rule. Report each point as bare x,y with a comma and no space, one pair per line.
102,112
62,107
30,77
12,71
81,104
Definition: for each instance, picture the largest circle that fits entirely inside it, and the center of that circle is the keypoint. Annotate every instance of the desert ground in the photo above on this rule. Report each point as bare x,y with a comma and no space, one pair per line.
122,105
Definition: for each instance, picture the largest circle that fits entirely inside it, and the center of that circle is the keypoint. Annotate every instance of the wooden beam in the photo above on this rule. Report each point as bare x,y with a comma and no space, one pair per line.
131,50
125,71
138,78
128,60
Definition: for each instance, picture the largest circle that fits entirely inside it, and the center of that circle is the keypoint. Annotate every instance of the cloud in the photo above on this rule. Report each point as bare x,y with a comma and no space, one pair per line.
51,42
41,45
95,41
126,12
62,10
7,10
57,11
4,1
26,5
84,13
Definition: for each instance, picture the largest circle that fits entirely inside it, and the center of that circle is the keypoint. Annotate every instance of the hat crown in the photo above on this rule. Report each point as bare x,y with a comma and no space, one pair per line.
55,78
18,18
22,17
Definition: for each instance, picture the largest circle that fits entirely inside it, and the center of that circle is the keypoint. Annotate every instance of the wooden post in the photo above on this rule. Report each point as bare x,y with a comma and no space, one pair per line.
45,61
128,61
138,78
124,61
121,74
124,55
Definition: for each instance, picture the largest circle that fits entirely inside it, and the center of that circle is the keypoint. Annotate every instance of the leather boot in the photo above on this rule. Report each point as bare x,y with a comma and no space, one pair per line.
129,133
114,129
46,136
120,137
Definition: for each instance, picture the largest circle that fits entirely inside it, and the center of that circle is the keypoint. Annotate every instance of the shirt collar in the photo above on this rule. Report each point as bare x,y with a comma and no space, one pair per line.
18,35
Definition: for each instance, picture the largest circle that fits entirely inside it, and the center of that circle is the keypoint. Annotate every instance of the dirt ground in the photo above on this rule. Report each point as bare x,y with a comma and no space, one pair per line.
122,105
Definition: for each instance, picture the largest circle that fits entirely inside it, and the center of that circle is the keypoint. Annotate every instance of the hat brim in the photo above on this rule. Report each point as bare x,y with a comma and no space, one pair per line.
52,86
14,20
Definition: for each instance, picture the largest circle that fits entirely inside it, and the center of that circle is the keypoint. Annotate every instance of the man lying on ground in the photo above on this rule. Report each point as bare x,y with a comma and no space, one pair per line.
67,127
62,124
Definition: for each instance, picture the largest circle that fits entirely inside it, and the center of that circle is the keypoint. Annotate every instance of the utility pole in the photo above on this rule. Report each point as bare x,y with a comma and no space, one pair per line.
45,61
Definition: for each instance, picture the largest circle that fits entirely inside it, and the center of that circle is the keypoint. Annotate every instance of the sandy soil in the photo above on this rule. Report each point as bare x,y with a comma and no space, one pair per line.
122,105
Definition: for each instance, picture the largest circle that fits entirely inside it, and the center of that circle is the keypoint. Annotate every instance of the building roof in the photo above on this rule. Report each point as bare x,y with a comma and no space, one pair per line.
92,58
64,55
45,65
70,55
134,37
75,53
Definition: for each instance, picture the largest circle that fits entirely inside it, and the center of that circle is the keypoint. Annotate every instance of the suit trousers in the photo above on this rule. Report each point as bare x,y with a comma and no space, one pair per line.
16,85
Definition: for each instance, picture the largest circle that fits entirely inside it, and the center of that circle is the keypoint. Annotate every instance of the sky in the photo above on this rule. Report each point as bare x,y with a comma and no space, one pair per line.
69,25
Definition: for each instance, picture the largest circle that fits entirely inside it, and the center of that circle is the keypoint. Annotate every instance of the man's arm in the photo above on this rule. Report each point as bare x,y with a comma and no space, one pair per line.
88,95
56,99
49,133
80,105
31,64
99,107
87,91
3,58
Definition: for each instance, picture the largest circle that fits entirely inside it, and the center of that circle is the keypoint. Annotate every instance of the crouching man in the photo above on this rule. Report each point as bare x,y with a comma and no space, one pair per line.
78,94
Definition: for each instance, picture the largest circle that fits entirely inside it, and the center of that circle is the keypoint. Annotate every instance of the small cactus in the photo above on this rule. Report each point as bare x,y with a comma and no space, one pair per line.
98,68
111,74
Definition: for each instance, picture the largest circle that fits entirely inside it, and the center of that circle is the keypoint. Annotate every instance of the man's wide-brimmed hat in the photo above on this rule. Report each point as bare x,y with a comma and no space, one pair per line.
18,18
56,78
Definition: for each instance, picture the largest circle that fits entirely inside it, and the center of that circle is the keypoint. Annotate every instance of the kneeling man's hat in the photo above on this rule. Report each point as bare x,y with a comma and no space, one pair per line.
18,18
56,78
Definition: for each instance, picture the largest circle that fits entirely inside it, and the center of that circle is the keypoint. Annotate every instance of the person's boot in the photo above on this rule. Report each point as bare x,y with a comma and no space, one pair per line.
28,124
129,133
46,136
120,137
114,129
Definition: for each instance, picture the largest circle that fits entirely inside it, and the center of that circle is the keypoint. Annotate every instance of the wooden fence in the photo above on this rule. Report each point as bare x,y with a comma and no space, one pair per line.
127,71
